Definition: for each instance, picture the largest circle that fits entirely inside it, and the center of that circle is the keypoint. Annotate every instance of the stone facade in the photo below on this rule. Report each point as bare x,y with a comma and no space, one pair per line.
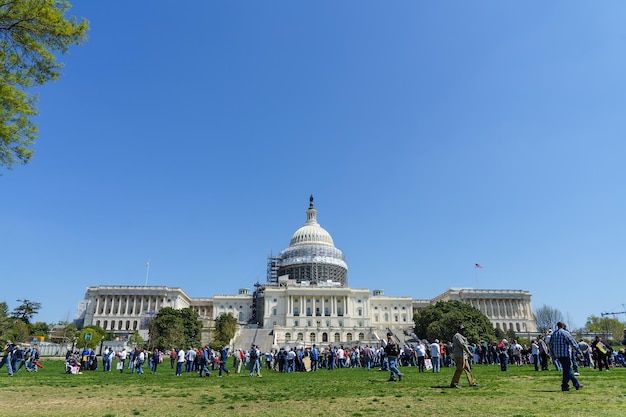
305,300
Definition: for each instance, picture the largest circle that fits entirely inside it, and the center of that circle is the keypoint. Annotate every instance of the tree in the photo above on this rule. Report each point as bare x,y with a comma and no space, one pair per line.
31,32
442,320
610,327
173,328
225,327
40,328
20,331
547,317
26,311
90,336
135,339
5,322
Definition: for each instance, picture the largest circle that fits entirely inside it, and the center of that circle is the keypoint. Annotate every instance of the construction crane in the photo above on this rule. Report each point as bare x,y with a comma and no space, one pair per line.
615,313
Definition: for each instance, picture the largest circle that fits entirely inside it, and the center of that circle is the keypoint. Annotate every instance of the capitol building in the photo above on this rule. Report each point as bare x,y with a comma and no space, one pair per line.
306,299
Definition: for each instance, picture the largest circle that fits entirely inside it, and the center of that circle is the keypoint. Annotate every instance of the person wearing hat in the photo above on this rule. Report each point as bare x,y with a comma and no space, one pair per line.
460,352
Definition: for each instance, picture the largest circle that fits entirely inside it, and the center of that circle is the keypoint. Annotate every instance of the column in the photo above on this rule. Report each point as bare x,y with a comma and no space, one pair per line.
97,311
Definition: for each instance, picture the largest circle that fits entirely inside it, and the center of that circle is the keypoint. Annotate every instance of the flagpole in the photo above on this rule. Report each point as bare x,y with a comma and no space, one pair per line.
476,275
147,271
476,268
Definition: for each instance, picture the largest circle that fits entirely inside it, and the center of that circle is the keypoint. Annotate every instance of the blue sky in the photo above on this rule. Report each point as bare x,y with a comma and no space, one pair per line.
433,135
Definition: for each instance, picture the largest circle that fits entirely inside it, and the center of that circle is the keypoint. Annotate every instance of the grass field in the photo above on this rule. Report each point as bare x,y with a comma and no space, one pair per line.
344,392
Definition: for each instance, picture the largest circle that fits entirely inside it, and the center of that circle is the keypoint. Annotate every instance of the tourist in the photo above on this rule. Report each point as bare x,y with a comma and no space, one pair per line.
561,345
223,359
180,360
460,353
600,350
392,351
255,361
435,356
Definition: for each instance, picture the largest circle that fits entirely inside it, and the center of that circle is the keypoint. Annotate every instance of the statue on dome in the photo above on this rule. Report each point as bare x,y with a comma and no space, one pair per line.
311,200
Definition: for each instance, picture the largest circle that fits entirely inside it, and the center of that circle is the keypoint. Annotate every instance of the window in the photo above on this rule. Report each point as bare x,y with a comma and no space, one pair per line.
296,323
359,312
324,337
361,336
312,337
337,337
300,337
287,337
349,337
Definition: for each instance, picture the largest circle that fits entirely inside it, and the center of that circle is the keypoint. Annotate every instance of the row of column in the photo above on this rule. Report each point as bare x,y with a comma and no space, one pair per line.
127,305
335,303
494,307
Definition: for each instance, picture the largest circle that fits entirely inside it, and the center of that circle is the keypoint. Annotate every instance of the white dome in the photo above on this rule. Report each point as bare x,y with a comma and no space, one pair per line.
311,234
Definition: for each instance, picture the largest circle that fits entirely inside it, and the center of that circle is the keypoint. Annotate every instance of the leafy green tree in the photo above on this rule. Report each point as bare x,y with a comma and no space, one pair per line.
20,331
225,327
610,327
5,321
31,32
136,339
26,310
192,326
167,329
442,320
90,336
40,329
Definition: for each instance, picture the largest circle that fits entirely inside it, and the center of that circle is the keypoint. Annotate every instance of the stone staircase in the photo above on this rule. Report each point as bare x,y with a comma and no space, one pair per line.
250,334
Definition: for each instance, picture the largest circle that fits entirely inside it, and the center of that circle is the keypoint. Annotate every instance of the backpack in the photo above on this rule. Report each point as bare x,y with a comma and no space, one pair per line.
392,350
254,353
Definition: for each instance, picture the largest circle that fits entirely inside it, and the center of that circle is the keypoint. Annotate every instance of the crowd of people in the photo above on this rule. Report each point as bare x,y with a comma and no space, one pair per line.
542,352
17,357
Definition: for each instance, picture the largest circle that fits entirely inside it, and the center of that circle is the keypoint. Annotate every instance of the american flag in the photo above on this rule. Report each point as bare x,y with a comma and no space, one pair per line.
478,265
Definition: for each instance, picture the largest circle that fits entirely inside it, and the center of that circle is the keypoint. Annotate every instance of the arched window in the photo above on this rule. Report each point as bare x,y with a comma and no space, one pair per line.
127,324
112,324
337,337
517,327
386,317
287,337
106,323
349,337
324,337
135,325
98,323
312,337
361,336
301,336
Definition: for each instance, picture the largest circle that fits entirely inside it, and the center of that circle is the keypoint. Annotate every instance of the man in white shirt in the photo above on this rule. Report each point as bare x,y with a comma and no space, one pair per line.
435,357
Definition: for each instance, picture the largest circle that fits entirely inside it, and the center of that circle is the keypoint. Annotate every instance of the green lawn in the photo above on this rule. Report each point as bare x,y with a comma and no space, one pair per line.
344,392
